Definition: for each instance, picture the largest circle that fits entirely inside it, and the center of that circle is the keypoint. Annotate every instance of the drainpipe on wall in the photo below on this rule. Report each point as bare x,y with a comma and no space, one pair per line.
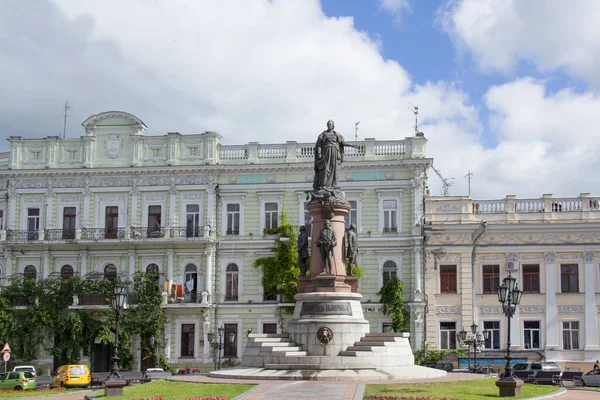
424,261
473,256
217,273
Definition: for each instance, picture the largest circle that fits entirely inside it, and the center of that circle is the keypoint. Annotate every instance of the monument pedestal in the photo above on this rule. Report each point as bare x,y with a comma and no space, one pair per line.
339,312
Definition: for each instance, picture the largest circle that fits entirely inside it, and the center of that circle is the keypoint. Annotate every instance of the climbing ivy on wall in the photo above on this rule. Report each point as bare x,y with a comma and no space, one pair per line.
280,271
37,312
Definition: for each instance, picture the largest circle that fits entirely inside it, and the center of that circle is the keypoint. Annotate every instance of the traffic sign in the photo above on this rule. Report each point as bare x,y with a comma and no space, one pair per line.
6,348
6,357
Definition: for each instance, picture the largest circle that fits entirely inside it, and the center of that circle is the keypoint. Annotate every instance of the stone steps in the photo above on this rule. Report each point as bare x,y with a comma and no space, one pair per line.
318,367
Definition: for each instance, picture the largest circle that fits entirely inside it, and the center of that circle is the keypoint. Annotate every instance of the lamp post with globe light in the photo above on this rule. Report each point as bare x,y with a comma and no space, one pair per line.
509,296
114,383
216,342
474,340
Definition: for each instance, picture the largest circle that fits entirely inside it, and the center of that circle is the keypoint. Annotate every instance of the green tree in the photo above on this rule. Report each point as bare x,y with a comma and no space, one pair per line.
393,304
280,271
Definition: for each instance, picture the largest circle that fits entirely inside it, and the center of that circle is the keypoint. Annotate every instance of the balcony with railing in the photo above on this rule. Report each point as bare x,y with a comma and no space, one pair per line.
369,149
106,234
453,209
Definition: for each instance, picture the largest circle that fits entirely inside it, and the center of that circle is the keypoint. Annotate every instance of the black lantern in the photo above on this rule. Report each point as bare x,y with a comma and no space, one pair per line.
216,342
119,301
509,296
474,340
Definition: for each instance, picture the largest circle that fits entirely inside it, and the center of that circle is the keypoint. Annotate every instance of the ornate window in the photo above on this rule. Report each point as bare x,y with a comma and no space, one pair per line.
233,218
531,335
448,279
66,272
491,278
271,215
352,216
30,273
389,271
570,331
231,282
569,278
531,278
69,222
390,216
494,341
447,335
192,228
110,272
111,222
191,282
33,223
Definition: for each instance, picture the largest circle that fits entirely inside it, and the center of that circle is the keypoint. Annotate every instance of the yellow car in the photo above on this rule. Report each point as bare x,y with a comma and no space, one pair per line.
74,375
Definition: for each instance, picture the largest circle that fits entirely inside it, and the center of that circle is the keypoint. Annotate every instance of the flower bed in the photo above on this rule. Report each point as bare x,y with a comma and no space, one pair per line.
378,397
189,398
37,390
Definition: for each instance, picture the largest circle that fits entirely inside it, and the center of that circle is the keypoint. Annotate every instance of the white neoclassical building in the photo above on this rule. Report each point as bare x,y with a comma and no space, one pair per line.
116,202
551,245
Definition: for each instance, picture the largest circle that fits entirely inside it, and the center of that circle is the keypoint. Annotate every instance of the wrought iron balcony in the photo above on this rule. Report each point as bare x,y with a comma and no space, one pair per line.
21,235
59,234
184,232
146,232
103,233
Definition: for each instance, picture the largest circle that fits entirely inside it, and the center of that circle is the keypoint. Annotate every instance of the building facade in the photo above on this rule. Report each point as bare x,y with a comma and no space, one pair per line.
115,202
551,245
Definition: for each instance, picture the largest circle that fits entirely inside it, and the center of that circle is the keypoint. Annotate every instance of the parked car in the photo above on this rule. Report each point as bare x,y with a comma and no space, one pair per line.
19,380
446,366
188,371
29,368
530,369
73,375
591,378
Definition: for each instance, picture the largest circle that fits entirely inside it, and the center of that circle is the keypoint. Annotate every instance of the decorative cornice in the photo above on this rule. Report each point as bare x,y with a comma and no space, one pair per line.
512,256
570,309
532,309
447,310
550,257
490,310
588,256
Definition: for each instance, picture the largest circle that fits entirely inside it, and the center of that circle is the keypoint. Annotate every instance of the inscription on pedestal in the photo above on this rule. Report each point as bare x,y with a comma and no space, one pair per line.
325,308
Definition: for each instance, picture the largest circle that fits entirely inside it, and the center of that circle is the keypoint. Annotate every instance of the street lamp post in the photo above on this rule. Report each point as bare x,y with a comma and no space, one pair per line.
475,340
509,296
216,342
119,300
156,350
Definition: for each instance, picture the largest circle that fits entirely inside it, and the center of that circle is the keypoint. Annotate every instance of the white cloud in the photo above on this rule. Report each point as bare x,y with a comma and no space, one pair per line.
396,7
551,34
273,71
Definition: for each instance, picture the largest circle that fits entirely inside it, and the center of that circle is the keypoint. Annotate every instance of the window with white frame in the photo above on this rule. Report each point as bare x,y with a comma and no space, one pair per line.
570,334
192,223
154,221
69,222
531,334
389,271
191,282
448,278
271,215
447,335
231,282
494,340
390,216
33,223
352,216
188,333
233,218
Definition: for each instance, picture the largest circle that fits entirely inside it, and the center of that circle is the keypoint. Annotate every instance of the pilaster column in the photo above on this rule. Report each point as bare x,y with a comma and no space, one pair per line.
8,267
170,267
12,205
591,333
172,201
551,309
49,204
205,331
133,217
86,203
210,179
209,271
418,290
83,267
46,264
131,254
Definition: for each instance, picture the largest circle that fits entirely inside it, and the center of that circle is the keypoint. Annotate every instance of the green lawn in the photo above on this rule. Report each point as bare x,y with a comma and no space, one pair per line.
482,389
179,390
36,393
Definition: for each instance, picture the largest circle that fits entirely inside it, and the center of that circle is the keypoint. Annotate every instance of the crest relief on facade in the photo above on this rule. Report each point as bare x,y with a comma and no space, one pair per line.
113,146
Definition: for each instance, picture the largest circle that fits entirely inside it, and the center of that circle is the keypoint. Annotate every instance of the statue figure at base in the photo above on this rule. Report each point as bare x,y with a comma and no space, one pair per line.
303,250
326,242
351,248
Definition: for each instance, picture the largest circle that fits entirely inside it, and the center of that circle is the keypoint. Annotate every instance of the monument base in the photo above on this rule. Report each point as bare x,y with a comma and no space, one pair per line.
340,312
509,387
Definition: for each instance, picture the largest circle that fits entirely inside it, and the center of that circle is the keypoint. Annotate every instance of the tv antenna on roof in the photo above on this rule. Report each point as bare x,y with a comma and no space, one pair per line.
446,182
65,119
469,175
356,131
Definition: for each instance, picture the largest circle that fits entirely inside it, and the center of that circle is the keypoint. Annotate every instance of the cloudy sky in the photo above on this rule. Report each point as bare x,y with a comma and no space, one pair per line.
508,90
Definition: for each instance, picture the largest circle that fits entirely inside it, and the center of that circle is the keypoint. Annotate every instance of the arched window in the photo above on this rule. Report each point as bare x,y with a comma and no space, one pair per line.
191,282
110,272
153,269
389,271
30,273
66,272
231,282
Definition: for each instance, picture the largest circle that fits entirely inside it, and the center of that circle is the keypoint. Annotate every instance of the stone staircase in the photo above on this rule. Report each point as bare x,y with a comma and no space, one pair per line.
372,351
